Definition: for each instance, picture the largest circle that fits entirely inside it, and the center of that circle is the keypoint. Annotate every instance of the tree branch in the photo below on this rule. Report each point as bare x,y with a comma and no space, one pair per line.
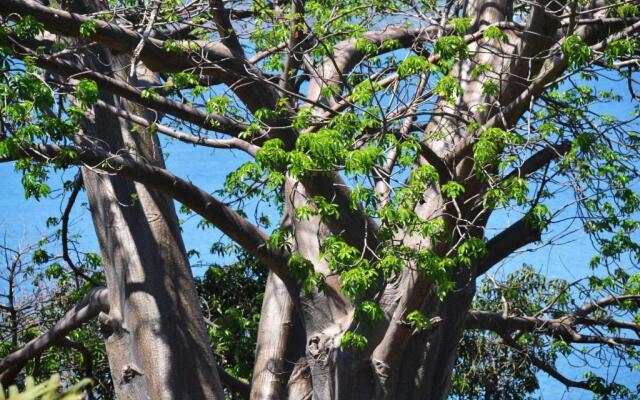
94,302
209,121
234,384
346,55
505,243
545,367
247,235
539,160
563,328
233,143
87,359
64,232
221,17
214,59
588,308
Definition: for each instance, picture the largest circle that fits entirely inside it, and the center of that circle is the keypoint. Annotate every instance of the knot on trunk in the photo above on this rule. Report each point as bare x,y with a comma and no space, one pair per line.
382,374
381,369
109,325
319,347
129,372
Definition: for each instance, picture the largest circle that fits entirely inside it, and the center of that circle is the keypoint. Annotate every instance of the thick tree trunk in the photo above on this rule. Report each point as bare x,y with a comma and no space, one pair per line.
399,362
156,341
280,343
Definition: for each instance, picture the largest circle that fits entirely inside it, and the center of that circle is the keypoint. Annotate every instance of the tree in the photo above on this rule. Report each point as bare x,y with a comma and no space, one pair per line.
384,135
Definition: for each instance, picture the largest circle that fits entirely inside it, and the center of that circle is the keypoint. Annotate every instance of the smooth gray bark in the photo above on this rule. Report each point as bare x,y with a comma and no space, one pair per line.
156,341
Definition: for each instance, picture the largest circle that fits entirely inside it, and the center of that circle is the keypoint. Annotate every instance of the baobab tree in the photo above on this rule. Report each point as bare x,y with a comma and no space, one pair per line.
384,134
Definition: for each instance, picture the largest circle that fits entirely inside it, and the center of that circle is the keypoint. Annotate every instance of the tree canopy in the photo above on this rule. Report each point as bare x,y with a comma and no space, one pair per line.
386,143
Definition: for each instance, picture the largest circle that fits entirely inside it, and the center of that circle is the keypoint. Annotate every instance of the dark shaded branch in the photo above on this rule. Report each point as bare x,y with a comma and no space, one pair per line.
505,243
9,376
87,360
551,371
444,173
241,14
64,232
86,355
539,160
221,17
234,384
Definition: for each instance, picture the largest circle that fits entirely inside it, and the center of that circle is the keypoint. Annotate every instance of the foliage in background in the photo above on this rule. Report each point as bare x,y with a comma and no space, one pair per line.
231,300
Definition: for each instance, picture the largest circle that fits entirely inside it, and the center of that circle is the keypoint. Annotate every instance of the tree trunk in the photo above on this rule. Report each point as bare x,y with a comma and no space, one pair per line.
156,341
280,343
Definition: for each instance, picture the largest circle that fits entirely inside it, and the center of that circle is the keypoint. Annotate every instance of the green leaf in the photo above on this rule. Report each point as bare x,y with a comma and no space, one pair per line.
494,32
217,104
627,10
448,88
461,25
353,341
418,321
88,28
471,249
28,27
87,92
369,311
452,189
578,53
413,65
538,217
449,47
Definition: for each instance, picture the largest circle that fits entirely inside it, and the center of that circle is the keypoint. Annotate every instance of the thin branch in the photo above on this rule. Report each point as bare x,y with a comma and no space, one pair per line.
209,121
233,143
545,367
563,328
64,232
589,308
539,160
144,38
87,360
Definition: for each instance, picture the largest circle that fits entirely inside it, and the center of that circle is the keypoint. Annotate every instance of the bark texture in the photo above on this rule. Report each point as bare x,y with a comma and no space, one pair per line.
156,341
